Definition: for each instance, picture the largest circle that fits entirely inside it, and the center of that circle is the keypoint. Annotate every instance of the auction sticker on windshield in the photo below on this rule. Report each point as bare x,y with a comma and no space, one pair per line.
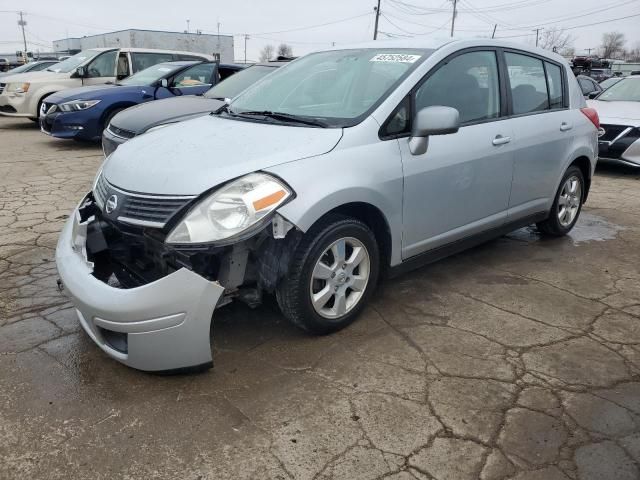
395,57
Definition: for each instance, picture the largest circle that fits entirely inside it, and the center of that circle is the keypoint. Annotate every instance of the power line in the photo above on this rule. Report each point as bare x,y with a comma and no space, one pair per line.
583,25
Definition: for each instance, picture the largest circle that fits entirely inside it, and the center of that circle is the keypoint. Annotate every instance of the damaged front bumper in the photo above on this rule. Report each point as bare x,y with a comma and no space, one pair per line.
162,325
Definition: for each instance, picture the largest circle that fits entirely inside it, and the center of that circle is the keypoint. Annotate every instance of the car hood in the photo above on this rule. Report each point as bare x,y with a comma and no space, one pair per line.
617,113
89,93
191,157
35,77
142,117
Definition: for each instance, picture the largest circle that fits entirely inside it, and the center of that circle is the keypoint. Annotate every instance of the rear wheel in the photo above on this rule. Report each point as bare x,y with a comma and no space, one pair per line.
567,204
333,273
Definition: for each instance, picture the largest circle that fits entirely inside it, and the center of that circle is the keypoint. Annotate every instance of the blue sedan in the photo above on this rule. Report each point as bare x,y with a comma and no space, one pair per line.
83,113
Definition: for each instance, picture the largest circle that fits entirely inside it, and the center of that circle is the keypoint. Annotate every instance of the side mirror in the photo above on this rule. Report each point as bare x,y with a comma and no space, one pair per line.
437,120
81,72
164,83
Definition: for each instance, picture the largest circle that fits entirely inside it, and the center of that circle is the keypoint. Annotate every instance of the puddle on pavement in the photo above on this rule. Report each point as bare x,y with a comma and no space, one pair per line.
590,228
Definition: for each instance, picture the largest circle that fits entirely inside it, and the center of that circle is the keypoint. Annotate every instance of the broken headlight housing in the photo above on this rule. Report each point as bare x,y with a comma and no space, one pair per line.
231,210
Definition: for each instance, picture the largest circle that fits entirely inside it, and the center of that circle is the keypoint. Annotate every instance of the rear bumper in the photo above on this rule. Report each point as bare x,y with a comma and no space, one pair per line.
163,325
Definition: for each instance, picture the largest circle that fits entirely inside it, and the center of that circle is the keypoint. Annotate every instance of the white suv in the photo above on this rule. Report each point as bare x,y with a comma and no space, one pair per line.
22,94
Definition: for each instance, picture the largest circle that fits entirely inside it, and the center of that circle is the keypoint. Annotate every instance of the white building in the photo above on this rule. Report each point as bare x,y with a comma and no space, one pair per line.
189,42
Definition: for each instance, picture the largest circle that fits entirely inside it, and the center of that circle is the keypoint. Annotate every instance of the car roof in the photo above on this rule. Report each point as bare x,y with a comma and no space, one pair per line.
435,43
151,50
180,63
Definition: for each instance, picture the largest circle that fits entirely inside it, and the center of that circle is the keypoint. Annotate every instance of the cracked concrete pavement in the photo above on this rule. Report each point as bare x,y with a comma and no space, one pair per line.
516,360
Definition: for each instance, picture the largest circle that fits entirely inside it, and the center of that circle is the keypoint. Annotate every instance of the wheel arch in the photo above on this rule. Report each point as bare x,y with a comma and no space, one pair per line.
121,105
584,164
376,208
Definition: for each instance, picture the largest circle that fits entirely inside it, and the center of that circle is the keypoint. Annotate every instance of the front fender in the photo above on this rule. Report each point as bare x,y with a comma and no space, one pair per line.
369,173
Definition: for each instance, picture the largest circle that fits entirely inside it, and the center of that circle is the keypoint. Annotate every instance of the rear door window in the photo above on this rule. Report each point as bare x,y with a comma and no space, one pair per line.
528,83
141,60
554,80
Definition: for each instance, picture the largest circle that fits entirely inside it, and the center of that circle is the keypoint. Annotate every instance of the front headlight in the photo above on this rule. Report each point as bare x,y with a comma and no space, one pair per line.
234,208
18,87
77,105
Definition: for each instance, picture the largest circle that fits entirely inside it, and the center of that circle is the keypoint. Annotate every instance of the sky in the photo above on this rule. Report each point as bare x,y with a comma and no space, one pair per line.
311,25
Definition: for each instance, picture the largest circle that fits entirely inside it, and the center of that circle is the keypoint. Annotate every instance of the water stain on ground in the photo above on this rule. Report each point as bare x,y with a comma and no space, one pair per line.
590,228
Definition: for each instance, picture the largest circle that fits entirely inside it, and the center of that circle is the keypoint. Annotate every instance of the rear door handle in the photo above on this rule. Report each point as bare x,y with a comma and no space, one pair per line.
565,126
500,140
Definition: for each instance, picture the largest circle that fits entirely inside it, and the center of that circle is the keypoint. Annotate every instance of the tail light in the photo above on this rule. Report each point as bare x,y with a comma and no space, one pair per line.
592,115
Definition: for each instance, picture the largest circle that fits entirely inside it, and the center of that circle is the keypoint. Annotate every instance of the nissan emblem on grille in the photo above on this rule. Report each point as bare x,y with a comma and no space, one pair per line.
112,204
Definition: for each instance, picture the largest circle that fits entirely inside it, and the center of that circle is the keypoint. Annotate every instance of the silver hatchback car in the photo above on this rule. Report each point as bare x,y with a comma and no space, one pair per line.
340,167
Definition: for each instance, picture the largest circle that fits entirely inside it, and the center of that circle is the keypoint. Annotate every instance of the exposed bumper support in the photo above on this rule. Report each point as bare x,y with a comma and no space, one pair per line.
165,324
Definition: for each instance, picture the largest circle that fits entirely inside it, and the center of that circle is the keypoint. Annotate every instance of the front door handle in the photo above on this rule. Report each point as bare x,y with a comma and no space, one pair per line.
500,140
564,126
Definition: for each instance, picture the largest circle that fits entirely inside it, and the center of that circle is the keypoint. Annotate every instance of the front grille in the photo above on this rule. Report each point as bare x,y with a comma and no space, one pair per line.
121,132
100,191
157,210
136,209
611,132
2,85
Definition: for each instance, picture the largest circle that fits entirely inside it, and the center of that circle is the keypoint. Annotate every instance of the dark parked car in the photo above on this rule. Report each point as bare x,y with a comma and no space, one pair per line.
83,113
600,74
590,88
143,118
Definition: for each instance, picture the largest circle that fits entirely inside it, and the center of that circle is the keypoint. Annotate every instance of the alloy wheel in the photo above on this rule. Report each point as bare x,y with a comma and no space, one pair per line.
339,278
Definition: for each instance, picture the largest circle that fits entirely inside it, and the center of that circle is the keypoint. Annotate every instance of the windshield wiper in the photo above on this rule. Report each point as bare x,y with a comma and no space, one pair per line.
284,117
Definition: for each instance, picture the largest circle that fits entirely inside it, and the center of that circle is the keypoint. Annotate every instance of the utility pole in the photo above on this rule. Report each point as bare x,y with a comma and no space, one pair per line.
218,39
537,30
493,35
453,16
22,24
375,29
589,50
188,25
246,37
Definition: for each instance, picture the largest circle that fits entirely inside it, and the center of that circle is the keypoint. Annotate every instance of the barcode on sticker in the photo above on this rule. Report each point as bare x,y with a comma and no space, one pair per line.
395,57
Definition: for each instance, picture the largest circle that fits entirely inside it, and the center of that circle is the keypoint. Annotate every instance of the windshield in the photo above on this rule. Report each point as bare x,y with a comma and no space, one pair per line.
627,90
150,75
236,83
338,87
73,62
21,68
609,81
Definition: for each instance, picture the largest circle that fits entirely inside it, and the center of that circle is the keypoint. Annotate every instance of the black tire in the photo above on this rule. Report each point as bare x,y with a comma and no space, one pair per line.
294,291
552,225
109,117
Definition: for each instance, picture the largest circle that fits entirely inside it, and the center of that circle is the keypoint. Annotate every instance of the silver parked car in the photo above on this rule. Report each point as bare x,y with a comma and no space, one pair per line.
619,108
342,166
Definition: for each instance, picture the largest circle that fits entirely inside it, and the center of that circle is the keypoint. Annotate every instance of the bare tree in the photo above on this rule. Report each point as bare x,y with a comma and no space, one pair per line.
555,39
266,53
633,54
612,43
285,50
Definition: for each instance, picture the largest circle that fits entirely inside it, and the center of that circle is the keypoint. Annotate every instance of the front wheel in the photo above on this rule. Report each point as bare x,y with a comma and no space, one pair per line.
567,204
333,272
